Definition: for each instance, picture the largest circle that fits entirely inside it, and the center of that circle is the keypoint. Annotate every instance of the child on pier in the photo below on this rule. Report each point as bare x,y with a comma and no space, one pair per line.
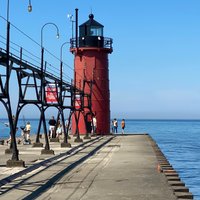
59,131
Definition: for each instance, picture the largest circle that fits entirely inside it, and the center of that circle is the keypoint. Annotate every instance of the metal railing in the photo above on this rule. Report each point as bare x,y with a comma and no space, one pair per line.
107,43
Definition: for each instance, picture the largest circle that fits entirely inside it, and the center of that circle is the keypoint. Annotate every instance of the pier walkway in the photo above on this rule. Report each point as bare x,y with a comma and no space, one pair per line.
106,168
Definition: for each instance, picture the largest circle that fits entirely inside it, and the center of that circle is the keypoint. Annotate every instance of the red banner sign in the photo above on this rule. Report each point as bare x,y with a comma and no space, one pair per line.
51,93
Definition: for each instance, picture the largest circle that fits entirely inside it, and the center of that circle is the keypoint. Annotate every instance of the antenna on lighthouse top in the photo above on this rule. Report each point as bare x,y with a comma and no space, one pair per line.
76,27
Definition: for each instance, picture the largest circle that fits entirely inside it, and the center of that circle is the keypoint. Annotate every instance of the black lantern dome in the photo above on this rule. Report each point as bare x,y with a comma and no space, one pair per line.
91,33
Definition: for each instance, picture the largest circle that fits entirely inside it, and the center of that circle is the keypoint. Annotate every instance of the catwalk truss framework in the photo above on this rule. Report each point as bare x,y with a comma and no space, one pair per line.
36,79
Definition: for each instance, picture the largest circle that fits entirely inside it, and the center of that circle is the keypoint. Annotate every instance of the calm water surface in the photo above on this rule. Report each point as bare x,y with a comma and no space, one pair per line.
178,139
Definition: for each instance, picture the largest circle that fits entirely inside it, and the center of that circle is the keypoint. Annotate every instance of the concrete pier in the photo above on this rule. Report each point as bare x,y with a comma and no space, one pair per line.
111,168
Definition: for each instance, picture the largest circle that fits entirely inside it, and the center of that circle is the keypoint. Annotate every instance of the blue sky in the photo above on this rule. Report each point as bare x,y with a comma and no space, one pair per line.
155,65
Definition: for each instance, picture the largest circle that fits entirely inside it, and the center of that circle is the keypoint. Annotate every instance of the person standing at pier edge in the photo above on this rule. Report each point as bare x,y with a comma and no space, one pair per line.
115,123
123,125
52,125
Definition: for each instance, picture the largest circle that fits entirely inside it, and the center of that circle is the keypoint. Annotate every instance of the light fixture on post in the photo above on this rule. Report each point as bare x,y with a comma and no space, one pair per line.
42,48
57,36
49,23
61,49
29,6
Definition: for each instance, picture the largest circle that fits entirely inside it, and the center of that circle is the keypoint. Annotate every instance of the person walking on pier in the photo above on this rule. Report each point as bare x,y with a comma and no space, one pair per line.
115,123
52,125
123,125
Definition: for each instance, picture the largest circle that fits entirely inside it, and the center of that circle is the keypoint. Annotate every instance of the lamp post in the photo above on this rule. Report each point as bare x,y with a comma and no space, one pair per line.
13,145
61,48
42,87
7,48
49,23
15,156
65,142
8,41
61,62
61,69
42,54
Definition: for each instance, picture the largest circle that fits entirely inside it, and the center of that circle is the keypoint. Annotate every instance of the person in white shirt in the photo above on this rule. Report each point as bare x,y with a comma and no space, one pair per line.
115,123
59,131
94,124
26,133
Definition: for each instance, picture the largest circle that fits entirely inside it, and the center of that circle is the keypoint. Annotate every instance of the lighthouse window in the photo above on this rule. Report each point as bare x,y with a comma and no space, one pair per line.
95,31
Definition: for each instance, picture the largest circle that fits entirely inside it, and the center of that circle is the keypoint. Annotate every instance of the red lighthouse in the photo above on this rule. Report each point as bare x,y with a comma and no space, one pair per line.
91,66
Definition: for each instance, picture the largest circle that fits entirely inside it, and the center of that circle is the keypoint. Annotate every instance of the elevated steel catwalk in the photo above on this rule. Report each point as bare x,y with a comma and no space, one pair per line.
27,65
40,79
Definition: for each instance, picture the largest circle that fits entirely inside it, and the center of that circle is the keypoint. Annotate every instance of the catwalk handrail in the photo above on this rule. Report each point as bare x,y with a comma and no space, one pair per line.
107,42
33,67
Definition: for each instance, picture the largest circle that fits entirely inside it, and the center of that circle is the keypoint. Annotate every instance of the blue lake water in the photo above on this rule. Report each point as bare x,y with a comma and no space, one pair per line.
180,142
178,139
